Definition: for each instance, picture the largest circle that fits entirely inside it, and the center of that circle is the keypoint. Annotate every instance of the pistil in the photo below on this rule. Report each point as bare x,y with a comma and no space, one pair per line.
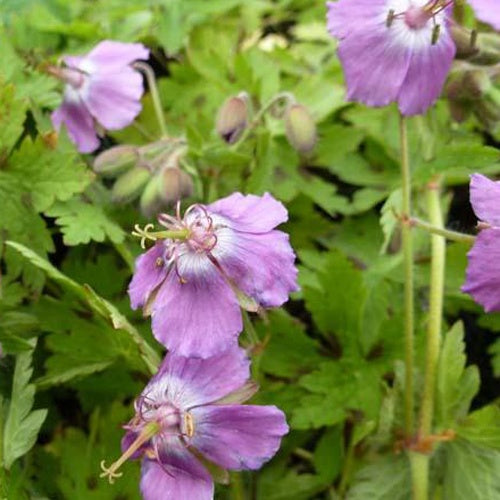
144,436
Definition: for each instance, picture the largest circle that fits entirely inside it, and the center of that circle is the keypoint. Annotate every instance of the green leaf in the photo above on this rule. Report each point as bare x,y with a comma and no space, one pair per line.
337,388
471,472
96,303
482,427
388,220
82,222
456,385
13,113
463,159
328,454
387,479
49,174
22,425
337,309
289,352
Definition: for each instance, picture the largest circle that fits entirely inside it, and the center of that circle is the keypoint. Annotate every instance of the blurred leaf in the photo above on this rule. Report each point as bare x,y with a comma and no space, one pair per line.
482,427
456,385
21,425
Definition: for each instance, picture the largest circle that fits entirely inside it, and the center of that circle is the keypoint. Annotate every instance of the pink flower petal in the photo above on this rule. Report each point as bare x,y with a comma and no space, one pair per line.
110,56
487,11
485,199
188,382
79,123
238,437
250,213
483,270
199,317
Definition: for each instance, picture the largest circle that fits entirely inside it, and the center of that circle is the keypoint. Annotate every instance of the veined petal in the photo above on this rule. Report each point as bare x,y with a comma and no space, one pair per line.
261,265
238,437
250,213
109,56
427,73
113,98
485,199
79,123
148,275
189,382
483,270
195,312
180,476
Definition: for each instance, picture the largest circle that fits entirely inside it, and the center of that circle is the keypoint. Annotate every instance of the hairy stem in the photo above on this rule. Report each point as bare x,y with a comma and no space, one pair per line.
435,311
155,96
407,243
441,231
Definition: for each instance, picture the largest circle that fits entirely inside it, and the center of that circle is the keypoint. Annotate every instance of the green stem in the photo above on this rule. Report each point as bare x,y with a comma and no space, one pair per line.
155,96
250,329
237,486
441,231
346,470
258,117
419,475
438,248
407,243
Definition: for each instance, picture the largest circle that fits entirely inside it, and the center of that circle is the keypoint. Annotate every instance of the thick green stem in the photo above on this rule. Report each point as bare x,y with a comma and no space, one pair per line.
433,341
441,231
155,95
237,492
407,243
420,462
419,475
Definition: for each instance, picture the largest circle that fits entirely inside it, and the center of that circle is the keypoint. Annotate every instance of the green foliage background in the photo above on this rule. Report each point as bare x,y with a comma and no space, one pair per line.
77,355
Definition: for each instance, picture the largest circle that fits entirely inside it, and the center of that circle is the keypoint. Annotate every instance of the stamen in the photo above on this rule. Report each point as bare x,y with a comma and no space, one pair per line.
189,425
390,18
146,434
436,31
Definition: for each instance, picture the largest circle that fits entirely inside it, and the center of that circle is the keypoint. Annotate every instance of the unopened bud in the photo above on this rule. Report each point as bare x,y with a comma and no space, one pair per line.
177,185
465,41
115,160
232,118
129,185
151,201
300,128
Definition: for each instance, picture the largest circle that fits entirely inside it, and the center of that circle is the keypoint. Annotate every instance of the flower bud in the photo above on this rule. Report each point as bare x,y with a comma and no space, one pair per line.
465,41
151,201
232,118
300,128
115,160
176,184
129,185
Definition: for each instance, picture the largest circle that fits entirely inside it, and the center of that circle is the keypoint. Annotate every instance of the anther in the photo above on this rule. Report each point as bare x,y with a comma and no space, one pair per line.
390,18
436,31
189,425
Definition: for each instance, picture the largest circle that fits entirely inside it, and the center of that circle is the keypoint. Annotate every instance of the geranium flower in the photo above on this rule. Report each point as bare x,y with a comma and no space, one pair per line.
191,409
483,270
393,50
101,89
193,279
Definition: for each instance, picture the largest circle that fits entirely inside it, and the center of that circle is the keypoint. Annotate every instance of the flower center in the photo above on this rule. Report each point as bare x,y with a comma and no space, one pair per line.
417,17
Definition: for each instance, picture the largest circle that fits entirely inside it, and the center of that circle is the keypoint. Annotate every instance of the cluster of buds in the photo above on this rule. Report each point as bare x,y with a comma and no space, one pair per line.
235,118
473,87
152,173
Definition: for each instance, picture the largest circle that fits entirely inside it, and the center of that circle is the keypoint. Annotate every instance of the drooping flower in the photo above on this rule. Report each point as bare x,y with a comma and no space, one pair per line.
393,50
192,280
191,408
483,270
101,89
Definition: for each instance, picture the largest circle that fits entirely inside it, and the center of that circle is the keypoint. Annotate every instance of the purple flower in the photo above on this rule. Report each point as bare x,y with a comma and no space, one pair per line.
487,11
193,405
393,50
192,279
101,89
483,270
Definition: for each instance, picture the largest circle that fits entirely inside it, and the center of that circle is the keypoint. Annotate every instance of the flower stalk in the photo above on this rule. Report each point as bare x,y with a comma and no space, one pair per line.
155,95
441,231
407,243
